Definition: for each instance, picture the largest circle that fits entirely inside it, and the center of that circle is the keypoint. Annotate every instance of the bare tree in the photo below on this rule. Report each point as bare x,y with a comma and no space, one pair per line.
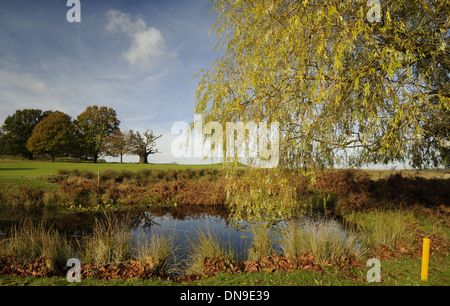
143,145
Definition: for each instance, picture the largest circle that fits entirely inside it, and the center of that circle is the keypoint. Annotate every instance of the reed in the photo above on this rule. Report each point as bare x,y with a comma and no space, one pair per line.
29,241
261,245
207,245
384,227
328,243
157,252
109,243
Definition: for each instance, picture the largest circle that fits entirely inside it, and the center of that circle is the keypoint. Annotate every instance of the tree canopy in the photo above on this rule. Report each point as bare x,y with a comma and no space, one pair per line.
53,135
95,132
343,89
117,145
17,128
93,125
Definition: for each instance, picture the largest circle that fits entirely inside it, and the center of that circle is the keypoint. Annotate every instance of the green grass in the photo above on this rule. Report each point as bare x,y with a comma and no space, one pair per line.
384,227
16,173
10,168
401,272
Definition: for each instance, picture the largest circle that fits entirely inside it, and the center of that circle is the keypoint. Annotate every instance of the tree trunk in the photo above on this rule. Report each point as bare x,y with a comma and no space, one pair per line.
121,158
28,155
143,159
95,158
53,157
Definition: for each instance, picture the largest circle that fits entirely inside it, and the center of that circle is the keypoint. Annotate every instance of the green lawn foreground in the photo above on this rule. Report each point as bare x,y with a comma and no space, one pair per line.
400,272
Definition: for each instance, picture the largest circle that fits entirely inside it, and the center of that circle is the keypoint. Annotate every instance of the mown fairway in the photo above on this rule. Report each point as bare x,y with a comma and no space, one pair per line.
10,168
20,172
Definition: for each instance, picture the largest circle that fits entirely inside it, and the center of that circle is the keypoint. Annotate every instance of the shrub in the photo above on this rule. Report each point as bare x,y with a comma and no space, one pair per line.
87,174
63,172
22,196
109,174
144,174
75,172
170,175
186,174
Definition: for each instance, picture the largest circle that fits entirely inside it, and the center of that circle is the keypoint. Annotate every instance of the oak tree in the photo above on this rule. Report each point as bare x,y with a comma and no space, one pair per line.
93,125
17,128
53,135
143,144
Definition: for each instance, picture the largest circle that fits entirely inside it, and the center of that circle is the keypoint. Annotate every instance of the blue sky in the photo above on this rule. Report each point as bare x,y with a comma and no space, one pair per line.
137,57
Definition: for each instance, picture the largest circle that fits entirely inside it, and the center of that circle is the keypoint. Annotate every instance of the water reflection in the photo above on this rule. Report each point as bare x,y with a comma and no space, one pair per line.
183,222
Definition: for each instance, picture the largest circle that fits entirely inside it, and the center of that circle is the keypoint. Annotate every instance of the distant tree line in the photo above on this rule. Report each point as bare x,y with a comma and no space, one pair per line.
93,133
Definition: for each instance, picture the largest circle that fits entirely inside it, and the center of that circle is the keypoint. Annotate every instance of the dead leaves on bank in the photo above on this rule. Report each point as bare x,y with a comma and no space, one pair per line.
138,269
125,270
270,264
38,268
35,268
150,268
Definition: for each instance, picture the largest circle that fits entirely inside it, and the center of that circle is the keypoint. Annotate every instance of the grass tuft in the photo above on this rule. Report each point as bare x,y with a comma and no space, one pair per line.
328,242
29,241
207,245
261,245
158,252
385,228
110,242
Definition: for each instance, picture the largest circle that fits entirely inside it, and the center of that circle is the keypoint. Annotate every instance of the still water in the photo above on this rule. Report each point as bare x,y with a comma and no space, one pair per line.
183,223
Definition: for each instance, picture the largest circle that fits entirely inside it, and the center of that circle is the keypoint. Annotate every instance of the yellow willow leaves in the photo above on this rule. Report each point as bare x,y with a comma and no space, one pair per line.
332,79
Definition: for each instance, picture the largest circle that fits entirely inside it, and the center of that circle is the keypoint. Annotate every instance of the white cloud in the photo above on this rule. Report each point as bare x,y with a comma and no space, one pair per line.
118,21
148,46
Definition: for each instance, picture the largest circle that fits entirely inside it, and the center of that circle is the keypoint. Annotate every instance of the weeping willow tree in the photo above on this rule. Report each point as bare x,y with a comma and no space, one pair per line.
348,83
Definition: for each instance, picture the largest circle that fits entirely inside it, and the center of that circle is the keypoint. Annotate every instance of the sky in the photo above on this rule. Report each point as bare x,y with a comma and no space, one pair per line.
136,56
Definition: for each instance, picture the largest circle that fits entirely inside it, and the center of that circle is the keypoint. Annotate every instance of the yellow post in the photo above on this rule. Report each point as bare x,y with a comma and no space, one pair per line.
425,258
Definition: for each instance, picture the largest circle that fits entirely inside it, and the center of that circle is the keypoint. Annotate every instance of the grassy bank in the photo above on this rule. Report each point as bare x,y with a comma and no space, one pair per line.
404,271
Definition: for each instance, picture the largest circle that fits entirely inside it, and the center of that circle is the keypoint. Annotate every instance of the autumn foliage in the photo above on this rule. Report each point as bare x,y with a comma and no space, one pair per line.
53,135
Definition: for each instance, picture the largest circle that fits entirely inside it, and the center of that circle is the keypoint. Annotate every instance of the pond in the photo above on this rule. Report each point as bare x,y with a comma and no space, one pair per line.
183,222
